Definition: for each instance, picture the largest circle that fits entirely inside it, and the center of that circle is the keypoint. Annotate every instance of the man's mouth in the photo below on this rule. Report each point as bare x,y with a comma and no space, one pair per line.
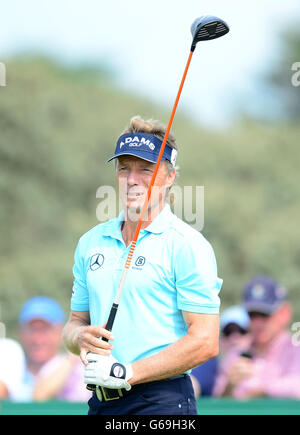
134,194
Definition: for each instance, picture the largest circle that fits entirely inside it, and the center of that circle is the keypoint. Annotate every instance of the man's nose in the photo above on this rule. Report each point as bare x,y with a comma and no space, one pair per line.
133,177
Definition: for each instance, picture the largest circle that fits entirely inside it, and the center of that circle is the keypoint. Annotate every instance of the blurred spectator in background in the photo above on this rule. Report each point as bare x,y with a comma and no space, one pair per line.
203,377
49,374
271,366
234,325
12,368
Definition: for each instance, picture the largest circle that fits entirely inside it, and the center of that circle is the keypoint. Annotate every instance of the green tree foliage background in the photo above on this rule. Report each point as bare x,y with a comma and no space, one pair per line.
57,128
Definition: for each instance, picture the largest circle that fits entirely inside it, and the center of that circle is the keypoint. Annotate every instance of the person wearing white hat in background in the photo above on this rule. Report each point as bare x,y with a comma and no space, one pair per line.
234,325
234,328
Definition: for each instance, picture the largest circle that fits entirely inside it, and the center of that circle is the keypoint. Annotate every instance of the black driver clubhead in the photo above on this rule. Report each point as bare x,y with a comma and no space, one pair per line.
206,28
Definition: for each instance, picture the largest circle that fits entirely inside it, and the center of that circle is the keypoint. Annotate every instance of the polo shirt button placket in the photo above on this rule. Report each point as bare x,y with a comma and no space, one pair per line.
121,263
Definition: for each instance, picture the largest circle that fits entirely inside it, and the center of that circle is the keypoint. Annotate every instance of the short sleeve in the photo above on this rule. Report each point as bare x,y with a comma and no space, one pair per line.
196,279
80,295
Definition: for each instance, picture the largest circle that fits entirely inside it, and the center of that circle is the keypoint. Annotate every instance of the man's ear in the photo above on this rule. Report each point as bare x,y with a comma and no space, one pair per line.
171,178
285,314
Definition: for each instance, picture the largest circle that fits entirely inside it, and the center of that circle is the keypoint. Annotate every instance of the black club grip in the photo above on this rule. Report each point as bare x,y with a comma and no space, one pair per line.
111,319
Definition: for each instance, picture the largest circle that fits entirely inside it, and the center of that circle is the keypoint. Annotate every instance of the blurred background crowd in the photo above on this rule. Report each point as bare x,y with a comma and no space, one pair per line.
75,75
258,357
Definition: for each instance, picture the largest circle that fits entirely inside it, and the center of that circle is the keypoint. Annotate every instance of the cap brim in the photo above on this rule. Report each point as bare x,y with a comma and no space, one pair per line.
30,318
131,154
259,308
239,322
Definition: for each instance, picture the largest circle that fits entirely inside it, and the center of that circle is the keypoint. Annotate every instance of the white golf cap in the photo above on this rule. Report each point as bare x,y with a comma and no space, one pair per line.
235,314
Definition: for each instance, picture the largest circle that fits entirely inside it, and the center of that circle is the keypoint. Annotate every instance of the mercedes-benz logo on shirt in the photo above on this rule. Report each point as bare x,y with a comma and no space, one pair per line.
96,261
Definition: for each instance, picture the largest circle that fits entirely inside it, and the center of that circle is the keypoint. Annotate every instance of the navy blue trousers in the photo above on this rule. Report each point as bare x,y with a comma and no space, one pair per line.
166,397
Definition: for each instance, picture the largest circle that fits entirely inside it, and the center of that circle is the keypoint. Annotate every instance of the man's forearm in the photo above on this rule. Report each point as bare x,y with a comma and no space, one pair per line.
70,335
80,337
184,354
48,387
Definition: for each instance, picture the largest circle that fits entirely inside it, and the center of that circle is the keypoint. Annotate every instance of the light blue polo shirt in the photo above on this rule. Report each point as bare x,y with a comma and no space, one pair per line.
173,269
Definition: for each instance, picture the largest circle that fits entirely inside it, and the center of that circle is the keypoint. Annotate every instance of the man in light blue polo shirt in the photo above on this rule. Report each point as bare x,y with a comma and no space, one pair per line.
167,321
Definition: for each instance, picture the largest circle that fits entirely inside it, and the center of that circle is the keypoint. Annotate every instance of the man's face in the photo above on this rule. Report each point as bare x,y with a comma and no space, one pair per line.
264,327
234,336
134,176
41,340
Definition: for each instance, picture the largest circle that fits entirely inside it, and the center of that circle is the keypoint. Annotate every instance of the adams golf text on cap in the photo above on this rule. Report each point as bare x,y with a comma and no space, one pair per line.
145,146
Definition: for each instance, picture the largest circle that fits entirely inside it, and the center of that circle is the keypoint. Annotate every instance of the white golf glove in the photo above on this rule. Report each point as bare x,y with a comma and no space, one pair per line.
106,371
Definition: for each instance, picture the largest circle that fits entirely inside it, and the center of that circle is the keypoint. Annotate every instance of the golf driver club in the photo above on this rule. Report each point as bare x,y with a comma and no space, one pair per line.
203,29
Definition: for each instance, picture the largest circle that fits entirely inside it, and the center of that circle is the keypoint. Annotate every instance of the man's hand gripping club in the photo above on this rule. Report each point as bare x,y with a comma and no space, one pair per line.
106,371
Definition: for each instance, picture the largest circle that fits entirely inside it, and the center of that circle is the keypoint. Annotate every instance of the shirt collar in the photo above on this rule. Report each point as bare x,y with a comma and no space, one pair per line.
161,222
112,228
